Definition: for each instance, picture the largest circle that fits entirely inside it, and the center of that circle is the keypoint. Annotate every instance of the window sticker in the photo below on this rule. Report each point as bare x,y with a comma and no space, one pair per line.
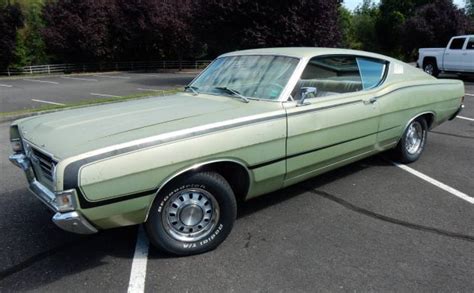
397,69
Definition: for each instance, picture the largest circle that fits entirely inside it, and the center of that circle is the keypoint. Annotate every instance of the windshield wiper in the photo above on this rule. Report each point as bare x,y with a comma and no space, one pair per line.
192,88
233,92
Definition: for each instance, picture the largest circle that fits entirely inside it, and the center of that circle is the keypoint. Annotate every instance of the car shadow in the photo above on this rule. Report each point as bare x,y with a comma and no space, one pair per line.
262,202
463,77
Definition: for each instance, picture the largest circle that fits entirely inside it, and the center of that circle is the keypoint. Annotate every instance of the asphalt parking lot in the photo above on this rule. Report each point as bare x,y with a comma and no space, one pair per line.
28,92
369,226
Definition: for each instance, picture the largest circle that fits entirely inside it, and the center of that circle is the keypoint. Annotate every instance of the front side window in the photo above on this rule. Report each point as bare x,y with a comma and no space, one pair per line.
259,76
330,75
456,44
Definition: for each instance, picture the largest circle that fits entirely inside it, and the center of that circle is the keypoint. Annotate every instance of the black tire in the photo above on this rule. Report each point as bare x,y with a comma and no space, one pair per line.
430,67
403,152
166,234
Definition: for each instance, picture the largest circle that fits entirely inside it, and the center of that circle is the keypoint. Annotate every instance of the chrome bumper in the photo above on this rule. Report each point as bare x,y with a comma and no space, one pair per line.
71,221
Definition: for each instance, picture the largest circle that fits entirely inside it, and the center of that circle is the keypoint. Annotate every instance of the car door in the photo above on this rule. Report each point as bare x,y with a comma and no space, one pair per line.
339,122
452,60
468,55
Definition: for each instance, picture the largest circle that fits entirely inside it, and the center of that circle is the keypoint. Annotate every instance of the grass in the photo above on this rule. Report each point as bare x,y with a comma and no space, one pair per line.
53,108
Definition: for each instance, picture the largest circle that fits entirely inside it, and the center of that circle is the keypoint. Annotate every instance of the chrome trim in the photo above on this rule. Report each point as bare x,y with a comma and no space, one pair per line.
305,111
74,222
73,196
293,81
32,145
20,160
408,86
71,170
416,116
194,167
43,194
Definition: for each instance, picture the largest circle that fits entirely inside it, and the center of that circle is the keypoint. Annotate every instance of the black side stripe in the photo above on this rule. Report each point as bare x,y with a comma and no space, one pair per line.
71,172
85,204
315,150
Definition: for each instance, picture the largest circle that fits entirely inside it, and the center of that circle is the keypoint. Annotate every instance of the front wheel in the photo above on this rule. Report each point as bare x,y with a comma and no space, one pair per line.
193,215
413,141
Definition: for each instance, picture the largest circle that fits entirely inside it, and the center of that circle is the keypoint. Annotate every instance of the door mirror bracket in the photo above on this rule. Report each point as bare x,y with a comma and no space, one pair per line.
305,93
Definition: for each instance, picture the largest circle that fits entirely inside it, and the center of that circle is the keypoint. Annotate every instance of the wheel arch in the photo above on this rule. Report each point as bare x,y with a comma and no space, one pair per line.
234,172
429,116
428,59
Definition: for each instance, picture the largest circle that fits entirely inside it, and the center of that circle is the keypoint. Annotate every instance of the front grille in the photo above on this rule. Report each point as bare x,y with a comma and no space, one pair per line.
45,163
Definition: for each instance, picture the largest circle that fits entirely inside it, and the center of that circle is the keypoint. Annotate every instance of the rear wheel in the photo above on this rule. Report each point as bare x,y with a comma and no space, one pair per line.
413,141
192,215
431,68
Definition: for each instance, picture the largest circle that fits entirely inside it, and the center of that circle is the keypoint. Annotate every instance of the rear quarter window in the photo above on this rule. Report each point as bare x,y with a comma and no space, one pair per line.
372,72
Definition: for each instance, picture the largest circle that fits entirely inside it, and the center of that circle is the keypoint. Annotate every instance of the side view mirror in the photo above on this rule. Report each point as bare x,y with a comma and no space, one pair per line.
305,93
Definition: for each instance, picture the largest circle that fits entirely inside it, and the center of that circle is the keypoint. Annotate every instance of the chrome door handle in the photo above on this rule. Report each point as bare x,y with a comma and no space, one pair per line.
370,101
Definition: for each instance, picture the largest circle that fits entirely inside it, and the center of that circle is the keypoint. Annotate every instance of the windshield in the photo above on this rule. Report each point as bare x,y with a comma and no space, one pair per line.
260,77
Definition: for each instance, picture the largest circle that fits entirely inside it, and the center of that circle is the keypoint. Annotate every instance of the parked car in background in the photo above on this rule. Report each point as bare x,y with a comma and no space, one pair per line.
457,57
252,122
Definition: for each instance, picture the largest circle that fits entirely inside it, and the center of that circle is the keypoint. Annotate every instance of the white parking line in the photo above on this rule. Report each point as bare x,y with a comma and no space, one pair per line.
465,118
79,78
48,102
471,95
140,259
6,85
105,95
111,76
435,182
44,81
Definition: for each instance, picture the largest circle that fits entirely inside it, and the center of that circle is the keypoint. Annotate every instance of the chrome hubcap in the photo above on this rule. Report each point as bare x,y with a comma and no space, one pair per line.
190,215
414,137
429,69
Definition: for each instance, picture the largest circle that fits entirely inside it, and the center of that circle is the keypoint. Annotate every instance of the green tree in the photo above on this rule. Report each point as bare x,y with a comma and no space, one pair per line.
433,25
11,19
364,27
30,48
390,23
470,8
345,23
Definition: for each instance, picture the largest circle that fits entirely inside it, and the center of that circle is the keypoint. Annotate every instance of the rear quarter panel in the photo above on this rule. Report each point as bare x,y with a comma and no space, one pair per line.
408,93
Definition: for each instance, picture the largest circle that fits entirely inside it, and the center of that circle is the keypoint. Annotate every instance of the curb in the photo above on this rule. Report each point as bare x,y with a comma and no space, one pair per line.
10,118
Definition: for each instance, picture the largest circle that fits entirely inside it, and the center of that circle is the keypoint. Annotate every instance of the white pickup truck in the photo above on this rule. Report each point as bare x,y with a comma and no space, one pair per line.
457,57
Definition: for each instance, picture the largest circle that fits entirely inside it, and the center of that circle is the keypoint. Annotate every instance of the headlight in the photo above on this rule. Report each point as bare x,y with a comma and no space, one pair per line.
65,201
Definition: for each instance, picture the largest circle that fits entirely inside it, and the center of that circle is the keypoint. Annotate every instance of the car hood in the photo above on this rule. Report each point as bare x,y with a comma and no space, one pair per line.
72,132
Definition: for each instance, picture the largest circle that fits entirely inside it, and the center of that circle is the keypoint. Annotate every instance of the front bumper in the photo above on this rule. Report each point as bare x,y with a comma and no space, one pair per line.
72,221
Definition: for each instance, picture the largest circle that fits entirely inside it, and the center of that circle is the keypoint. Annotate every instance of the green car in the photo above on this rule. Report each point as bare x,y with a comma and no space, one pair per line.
252,122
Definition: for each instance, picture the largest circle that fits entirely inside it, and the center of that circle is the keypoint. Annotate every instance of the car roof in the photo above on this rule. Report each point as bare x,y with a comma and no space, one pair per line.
304,52
463,36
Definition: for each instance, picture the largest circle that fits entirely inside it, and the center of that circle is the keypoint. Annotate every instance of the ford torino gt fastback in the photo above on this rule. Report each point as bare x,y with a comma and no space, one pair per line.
252,122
